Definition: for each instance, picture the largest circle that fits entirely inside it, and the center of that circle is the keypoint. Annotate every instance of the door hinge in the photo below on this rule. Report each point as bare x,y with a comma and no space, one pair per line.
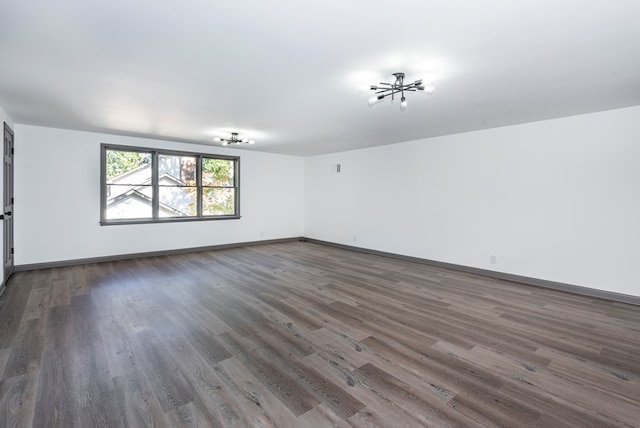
12,200
12,251
12,152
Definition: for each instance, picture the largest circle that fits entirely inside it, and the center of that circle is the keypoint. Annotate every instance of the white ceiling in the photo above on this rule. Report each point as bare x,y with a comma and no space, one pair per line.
294,74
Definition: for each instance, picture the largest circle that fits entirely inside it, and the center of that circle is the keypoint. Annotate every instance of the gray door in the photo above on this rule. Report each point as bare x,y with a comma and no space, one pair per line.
7,214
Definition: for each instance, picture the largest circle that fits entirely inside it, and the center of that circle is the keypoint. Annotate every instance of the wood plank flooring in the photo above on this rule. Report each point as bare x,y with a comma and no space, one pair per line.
306,335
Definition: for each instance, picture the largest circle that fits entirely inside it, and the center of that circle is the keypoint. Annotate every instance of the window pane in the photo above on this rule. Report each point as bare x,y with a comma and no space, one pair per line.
127,167
217,172
126,201
218,201
178,201
177,170
179,185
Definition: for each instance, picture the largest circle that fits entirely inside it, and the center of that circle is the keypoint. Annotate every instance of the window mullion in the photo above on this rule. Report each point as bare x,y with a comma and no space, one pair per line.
236,184
155,184
199,192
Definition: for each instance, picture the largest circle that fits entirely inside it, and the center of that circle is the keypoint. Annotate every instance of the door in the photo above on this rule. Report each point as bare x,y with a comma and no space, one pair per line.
7,214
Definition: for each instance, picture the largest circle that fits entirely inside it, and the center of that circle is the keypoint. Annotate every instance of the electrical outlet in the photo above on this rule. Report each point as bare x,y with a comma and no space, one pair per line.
493,260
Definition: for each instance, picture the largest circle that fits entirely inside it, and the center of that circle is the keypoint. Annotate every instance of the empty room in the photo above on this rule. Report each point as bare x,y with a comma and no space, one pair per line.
320,214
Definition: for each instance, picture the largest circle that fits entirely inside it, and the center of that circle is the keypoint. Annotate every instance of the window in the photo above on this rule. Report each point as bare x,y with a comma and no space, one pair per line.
142,185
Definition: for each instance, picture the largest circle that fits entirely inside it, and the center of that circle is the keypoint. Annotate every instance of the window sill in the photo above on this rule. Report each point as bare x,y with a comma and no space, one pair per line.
166,220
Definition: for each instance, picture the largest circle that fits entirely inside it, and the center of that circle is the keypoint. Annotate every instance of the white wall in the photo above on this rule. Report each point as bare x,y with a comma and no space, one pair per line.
557,200
57,205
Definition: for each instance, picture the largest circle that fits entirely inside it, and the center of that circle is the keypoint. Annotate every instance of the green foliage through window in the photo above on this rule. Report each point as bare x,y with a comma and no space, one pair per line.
120,162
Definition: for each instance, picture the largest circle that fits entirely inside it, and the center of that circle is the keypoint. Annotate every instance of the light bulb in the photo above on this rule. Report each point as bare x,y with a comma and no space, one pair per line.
238,142
403,104
244,140
374,99
392,79
251,142
217,139
429,89
225,143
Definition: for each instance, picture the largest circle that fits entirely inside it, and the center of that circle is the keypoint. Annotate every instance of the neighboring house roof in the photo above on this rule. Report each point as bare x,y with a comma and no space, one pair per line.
135,193
120,189
136,183
120,178
177,181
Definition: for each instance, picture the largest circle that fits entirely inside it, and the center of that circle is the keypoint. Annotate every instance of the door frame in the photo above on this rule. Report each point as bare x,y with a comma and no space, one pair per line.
7,212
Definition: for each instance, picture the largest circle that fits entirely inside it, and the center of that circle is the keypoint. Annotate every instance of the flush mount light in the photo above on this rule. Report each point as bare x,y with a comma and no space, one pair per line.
234,139
396,86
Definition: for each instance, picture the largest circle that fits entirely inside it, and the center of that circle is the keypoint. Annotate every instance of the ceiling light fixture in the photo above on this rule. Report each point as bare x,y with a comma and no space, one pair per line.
396,86
233,140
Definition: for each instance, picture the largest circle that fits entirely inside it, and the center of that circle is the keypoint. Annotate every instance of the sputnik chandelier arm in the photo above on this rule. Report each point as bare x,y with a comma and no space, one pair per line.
396,86
233,140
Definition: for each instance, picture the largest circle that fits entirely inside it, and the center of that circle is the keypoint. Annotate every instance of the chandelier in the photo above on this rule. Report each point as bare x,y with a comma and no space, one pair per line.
233,140
396,86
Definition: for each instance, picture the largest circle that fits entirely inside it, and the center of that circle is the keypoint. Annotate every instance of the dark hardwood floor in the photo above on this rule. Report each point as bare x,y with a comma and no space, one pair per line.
305,335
